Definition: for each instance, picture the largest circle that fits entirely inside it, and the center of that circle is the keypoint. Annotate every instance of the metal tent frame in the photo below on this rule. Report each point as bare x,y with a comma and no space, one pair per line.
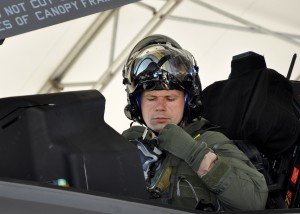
55,82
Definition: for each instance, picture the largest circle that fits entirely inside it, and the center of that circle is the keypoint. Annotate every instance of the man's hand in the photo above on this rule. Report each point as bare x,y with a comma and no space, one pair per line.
175,140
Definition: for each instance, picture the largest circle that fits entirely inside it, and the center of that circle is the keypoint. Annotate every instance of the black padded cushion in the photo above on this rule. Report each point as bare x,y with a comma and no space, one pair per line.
255,103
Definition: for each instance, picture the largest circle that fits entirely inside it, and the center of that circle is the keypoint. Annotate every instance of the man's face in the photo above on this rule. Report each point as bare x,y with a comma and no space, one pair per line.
161,107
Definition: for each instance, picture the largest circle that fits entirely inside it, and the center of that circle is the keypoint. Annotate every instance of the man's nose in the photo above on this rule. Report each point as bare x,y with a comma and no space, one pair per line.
161,104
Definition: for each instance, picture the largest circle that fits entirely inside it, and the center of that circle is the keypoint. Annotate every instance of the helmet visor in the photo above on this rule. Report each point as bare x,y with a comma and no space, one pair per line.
161,67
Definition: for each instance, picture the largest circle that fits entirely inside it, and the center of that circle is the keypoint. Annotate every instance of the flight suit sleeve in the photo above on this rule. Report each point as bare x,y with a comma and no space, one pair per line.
237,184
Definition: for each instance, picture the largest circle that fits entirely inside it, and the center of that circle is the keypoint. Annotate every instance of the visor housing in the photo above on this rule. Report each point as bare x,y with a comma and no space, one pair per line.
160,67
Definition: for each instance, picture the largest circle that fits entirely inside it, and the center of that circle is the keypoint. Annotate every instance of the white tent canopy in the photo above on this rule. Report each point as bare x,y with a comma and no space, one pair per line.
89,52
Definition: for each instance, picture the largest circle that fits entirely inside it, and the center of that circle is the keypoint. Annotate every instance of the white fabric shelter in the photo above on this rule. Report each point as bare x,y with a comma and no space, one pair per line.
89,52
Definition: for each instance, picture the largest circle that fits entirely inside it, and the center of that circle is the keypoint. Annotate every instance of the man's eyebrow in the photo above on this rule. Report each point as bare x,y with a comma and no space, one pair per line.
150,95
172,95
169,95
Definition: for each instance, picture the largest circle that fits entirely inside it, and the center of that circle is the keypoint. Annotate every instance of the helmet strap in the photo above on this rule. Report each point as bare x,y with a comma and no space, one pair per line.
138,101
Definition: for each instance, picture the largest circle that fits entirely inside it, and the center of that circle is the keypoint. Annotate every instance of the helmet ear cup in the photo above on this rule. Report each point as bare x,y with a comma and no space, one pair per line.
195,109
132,110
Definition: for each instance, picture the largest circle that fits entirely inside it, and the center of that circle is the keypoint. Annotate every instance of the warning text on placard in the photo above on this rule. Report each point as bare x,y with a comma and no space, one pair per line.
17,14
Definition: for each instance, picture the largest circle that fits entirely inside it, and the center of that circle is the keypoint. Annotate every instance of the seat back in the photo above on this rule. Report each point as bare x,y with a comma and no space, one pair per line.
257,104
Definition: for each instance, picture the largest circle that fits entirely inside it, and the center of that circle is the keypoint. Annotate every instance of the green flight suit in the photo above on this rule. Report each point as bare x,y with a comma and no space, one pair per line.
232,184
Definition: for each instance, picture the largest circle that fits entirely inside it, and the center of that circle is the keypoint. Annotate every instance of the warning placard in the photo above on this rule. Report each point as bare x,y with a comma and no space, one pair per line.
20,16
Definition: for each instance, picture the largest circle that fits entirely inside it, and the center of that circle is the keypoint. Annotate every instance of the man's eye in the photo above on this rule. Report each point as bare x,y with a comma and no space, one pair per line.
171,99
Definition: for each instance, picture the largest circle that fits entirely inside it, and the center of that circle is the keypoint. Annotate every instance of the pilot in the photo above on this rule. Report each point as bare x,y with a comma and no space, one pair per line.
196,167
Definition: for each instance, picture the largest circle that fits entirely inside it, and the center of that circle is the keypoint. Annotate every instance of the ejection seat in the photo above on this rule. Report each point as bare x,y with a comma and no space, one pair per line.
259,109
